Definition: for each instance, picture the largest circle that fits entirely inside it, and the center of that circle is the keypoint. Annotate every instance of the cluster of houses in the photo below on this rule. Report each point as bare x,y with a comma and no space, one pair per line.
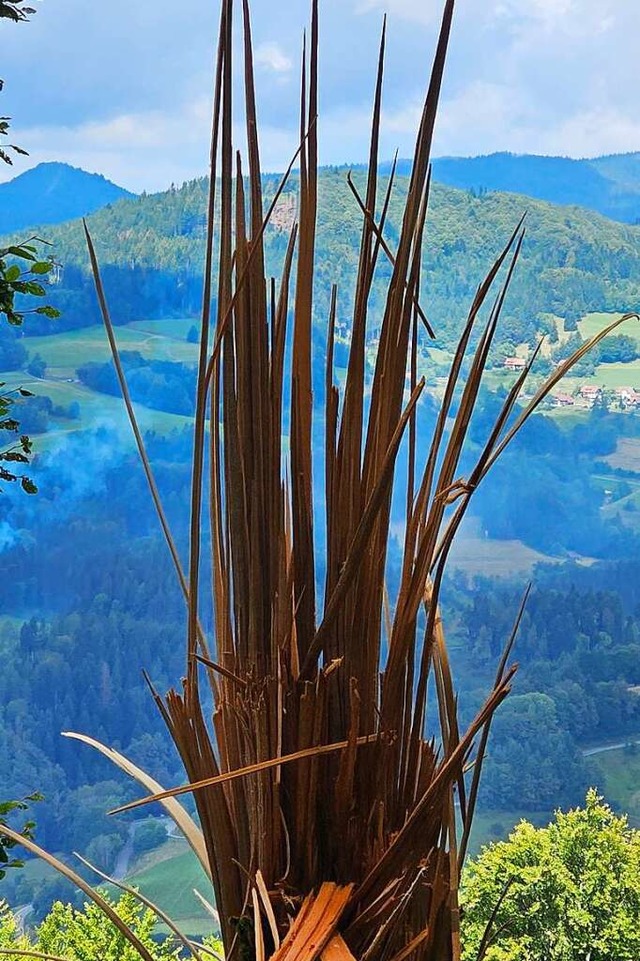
587,394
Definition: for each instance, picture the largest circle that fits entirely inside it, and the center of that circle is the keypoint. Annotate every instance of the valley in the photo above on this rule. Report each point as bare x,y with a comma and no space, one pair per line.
97,591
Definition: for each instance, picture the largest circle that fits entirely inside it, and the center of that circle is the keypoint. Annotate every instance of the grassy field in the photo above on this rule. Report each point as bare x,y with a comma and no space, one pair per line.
479,555
476,554
616,774
94,410
65,352
155,340
176,328
626,455
593,324
168,876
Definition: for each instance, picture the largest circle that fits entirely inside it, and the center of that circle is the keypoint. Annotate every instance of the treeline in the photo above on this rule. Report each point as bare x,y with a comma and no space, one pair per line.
159,384
133,292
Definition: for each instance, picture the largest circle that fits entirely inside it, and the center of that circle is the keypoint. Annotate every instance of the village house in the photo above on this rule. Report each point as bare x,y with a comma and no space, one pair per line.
514,363
590,392
562,400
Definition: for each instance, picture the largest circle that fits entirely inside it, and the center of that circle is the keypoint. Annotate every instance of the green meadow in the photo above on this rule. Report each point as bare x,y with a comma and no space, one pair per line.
168,877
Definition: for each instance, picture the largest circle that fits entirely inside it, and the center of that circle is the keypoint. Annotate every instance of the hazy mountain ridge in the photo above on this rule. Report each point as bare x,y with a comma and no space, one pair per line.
52,193
609,185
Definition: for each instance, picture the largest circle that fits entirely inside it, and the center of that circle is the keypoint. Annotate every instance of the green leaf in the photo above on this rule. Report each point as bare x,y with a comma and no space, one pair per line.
42,267
28,486
23,250
48,311
33,288
25,393
12,273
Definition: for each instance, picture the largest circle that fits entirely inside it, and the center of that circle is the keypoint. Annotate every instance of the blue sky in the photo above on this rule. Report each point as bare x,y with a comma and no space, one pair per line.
123,88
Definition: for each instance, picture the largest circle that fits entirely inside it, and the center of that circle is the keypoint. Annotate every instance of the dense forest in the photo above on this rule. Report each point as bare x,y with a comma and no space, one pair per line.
150,248
90,601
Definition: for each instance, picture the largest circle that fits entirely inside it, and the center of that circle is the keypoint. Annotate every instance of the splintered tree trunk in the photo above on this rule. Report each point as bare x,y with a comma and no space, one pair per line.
342,838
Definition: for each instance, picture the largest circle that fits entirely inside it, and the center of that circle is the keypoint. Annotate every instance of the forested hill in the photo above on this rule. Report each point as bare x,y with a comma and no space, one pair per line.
52,193
609,185
573,260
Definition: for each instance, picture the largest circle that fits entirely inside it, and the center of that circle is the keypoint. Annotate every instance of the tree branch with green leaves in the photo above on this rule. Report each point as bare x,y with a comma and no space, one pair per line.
7,844
21,275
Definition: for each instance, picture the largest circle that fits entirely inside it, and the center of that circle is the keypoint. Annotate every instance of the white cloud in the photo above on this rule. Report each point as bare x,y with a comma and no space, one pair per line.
140,151
483,114
272,56
594,132
526,75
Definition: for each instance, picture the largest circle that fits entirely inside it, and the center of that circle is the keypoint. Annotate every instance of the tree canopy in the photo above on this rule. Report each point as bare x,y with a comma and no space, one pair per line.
567,892
78,934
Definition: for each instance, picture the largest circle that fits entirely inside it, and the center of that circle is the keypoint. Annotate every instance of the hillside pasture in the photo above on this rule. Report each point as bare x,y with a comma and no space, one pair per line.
155,340
168,876
478,555
626,455
95,410
616,774
592,324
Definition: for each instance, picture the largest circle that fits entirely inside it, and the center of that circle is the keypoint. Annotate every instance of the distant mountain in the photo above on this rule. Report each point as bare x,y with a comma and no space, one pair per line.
52,193
609,185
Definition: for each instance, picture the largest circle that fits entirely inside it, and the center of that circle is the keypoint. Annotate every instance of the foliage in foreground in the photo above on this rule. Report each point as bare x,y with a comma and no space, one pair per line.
23,281
572,891
7,844
78,935
18,281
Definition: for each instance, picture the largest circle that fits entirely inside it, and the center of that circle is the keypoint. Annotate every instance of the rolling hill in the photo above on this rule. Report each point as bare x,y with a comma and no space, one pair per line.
52,193
574,261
